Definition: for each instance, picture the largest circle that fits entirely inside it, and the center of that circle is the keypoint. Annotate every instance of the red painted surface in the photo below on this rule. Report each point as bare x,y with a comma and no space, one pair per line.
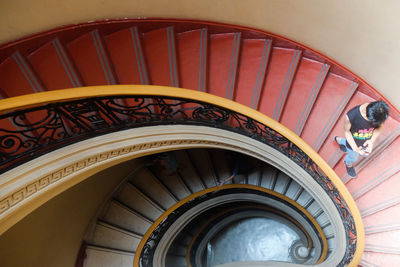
84,53
340,170
70,32
122,53
250,75
329,99
381,259
381,163
191,60
279,76
156,50
48,66
12,80
306,85
386,239
387,216
17,83
220,70
381,192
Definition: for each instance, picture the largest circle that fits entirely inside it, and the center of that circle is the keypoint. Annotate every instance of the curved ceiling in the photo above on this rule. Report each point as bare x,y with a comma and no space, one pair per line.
360,34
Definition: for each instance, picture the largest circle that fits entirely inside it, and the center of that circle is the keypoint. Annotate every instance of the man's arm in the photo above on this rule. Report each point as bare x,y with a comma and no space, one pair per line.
369,144
226,180
349,137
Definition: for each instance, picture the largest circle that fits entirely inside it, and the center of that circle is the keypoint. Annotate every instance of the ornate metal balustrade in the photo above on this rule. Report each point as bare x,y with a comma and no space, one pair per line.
29,133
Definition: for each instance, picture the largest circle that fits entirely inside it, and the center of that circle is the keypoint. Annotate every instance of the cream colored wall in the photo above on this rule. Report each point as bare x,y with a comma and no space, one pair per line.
52,234
360,34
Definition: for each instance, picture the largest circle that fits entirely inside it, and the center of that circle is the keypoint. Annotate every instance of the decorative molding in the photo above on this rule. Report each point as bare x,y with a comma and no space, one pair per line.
29,190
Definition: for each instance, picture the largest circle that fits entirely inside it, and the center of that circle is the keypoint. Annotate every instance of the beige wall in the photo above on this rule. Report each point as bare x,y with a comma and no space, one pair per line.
49,236
360,34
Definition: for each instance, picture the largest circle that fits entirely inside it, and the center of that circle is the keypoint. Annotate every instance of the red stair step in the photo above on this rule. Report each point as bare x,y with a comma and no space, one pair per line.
332,99
382,213
281,71
223,62
377,179
192,58
388,239
340,168
381,193
52,63
91,59
126,53
306,86
253,64
17,77
379,259
329,150
160,51
21,81
125,50
90,54
382,228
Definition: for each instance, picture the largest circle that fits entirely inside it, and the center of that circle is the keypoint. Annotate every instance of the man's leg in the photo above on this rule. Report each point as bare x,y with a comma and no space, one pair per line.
341,146
350,158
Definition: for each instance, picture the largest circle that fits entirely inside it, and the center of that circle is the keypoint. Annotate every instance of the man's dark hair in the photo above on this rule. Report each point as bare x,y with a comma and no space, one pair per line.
377,112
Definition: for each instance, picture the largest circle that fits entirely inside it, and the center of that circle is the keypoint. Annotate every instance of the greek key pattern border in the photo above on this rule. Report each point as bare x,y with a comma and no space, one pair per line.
29,190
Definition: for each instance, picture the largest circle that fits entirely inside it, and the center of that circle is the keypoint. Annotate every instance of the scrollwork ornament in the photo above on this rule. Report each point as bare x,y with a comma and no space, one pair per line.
210,114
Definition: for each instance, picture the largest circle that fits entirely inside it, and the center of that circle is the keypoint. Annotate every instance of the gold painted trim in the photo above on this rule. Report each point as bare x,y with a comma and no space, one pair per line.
255,206
26,193
42,182
212,189
25,101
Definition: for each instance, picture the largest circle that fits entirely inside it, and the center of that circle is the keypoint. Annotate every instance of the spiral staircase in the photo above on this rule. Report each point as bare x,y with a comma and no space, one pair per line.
294,85
147,193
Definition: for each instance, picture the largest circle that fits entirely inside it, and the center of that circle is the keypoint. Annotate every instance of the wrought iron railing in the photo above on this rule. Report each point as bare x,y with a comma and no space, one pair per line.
29,133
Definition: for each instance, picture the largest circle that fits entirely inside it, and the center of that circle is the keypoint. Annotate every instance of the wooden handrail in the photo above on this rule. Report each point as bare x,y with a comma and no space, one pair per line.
39,99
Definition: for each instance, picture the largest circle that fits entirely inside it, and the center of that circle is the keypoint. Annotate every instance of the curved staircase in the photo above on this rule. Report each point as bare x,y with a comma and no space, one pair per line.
148,192
307,92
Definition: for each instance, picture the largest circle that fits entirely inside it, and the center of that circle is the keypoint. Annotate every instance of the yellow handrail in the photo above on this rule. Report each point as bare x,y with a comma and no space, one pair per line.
32,100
